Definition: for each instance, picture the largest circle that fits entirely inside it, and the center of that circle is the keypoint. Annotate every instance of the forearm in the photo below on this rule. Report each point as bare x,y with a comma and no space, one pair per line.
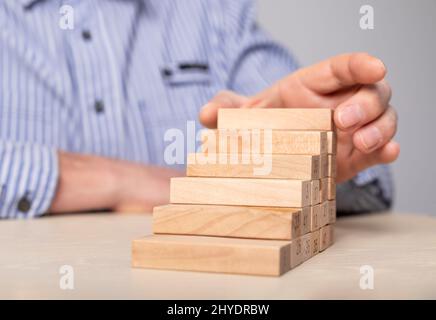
85,182
88,182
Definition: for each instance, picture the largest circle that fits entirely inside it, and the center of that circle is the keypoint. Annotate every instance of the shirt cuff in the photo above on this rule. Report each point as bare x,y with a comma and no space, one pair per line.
380,175
28,179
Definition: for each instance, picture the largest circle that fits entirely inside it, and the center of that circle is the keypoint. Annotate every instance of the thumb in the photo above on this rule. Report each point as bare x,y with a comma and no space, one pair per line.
224,99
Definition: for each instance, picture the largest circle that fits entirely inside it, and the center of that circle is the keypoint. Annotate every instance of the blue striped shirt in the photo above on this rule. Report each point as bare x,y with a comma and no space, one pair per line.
116,81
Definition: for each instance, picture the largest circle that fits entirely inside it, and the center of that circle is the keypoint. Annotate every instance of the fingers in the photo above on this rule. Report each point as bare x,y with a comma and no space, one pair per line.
360,161
377,133
363,107
341,72
224,99
132,209
387,154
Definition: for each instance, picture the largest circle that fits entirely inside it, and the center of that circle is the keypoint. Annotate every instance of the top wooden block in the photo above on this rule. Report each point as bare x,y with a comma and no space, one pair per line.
278,119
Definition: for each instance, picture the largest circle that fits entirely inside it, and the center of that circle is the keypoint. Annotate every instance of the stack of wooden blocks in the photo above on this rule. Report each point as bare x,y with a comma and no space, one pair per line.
225,218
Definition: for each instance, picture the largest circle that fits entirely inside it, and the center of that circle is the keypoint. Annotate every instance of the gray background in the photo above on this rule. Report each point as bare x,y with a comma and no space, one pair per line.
404,38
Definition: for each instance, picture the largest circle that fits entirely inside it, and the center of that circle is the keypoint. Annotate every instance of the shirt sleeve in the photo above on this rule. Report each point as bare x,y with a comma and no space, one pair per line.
370,190
28,179
257,62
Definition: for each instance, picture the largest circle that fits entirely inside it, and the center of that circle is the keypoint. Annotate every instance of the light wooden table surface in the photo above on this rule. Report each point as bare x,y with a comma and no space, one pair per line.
400,248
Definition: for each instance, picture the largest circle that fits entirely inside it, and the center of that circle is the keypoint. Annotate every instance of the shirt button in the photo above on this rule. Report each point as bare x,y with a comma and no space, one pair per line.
167,72
99,106
86,35
24,204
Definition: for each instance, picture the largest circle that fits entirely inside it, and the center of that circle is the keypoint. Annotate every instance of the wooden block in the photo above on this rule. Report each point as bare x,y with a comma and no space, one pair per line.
228,221
326,235
264,141
212,254
331,142
307,246
280,118
306,220
332,234
240,191
315,217
324,192
315,242
331,185
315,192
271,166
324,216
332,211
296,252
324,165
331,165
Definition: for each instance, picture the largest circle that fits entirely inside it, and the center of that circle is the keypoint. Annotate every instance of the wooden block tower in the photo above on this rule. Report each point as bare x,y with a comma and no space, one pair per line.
258,199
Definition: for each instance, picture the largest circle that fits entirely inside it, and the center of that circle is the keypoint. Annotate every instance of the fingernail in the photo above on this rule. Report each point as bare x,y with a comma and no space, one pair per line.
350,116
205,106
380,64
371,137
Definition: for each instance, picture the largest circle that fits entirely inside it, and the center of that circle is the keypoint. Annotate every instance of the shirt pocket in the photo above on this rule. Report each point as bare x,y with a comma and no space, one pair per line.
186,86
189,73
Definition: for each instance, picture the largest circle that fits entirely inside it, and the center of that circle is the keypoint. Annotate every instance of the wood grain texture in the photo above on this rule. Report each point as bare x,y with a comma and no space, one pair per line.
324,165
324,217
261,141
228,221
212,254
315,192
326,237
331,185
306,241
296,252
279,118
306,220
332,211
315,217
240,191
262,166
331,142
315,242
324,192
331,165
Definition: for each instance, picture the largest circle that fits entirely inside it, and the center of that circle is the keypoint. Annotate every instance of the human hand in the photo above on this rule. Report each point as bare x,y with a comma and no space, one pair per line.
354,86
89,183
142,187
